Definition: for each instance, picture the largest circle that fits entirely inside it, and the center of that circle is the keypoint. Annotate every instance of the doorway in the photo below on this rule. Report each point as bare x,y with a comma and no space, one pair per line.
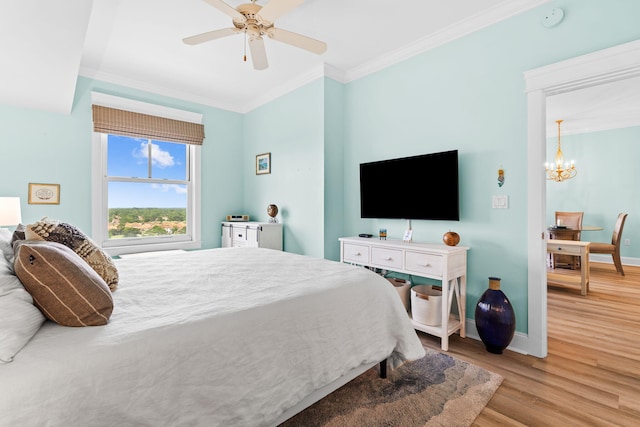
605,66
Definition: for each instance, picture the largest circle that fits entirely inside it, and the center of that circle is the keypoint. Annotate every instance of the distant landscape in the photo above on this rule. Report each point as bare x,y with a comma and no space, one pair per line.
146,222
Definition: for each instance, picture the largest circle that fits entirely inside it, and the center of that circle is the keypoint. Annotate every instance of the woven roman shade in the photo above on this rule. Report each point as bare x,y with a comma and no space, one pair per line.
122,122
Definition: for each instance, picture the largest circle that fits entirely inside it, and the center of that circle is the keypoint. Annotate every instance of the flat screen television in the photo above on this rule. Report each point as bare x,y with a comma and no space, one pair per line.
416,187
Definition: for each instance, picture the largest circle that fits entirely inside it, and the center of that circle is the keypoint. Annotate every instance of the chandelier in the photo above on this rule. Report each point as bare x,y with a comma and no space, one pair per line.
560,170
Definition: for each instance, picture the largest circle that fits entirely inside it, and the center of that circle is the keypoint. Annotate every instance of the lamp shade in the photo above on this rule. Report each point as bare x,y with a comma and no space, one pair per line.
10,211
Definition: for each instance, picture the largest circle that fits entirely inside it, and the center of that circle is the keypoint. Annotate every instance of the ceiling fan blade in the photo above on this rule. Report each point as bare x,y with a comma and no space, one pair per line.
258,53
298,40
226,9
276,8
210,35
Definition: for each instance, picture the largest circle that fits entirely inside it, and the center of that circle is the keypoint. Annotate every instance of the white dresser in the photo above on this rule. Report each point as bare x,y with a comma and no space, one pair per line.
448,264
252,233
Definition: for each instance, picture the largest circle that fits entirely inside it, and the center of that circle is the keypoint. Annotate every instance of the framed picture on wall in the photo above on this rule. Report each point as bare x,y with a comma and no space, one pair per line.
44,194
263,163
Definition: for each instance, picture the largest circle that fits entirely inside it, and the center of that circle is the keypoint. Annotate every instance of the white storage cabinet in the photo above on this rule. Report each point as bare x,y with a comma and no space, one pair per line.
448,264
252,234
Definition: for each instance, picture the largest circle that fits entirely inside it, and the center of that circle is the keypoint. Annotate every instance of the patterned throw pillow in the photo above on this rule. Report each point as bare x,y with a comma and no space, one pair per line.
70,236
62,285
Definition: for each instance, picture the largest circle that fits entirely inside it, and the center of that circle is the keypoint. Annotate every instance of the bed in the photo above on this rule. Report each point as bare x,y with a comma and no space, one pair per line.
219,337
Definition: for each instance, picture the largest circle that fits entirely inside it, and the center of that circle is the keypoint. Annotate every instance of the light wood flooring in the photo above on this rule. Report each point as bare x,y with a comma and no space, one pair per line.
591,376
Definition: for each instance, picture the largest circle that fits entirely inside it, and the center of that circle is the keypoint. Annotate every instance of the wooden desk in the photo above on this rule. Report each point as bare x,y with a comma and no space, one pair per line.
575,248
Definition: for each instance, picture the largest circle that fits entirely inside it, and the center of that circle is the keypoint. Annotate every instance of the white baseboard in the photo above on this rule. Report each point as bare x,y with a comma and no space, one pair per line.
519,343
607,259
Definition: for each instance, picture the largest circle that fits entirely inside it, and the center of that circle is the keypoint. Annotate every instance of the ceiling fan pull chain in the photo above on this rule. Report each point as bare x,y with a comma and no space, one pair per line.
244,45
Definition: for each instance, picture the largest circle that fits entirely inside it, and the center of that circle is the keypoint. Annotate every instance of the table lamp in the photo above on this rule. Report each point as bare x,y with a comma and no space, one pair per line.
10,211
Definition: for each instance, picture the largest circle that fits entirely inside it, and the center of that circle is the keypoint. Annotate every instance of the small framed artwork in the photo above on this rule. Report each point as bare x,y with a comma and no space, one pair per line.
44,194
263,163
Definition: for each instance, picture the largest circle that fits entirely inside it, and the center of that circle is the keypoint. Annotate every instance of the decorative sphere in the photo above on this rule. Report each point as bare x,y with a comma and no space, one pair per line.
272,210
451,238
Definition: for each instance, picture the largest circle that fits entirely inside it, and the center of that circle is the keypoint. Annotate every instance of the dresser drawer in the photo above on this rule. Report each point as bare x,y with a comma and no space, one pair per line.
244,236
559,248
424,263
239,234
356,253
390,258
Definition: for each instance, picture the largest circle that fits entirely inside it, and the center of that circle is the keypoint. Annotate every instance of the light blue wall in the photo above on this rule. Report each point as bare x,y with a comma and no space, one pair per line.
46,147
291,128
606,183
469,95
466,95
333,168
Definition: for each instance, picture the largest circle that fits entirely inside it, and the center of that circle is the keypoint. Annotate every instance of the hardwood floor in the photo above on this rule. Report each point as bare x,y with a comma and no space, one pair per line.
591,376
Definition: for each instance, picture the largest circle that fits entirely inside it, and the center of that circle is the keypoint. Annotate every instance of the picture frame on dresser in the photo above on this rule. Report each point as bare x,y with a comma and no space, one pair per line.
44,194
263,163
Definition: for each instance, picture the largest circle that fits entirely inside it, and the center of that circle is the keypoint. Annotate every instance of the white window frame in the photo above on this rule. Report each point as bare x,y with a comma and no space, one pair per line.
99,185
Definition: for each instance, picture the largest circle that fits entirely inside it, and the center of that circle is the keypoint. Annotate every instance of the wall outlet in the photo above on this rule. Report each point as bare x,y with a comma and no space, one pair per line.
627,242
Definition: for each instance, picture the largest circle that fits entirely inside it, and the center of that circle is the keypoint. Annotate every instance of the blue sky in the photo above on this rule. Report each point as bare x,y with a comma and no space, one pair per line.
129,157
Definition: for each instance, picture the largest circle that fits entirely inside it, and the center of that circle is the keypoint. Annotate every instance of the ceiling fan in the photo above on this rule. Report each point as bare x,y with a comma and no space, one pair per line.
256,21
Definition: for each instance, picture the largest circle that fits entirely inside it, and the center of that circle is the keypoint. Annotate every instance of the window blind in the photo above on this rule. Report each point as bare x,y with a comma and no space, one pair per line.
129,123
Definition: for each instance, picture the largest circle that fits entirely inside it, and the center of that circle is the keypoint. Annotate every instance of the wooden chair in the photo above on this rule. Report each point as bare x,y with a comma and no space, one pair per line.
571,220
612,248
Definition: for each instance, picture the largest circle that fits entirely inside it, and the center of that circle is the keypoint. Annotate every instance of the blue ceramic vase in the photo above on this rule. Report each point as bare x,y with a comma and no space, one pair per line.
495,318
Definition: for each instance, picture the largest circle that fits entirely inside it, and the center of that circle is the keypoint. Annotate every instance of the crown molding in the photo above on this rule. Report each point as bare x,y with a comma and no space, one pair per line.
594,125
498,13
155,89
467,26
315,73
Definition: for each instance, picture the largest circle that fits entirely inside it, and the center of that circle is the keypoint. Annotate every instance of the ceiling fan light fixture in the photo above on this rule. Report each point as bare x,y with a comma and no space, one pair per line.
256,21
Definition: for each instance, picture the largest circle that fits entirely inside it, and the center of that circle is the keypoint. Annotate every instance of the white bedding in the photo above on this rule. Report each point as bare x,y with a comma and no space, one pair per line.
221,337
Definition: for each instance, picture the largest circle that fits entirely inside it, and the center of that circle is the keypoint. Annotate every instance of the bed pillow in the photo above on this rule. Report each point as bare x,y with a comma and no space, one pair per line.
19,318
63,286
6,249
70,236
19,233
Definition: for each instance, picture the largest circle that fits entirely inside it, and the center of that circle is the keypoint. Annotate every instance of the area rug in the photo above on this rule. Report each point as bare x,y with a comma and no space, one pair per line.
437,390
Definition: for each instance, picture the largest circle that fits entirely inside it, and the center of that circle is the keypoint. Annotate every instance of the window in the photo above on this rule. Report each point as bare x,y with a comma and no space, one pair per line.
145,190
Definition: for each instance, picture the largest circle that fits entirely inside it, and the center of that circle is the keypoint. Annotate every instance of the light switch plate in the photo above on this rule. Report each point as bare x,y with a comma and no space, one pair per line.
500,202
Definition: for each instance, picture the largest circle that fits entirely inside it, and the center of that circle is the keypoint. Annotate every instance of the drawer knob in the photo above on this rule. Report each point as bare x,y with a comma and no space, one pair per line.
427,265
389,259
358,254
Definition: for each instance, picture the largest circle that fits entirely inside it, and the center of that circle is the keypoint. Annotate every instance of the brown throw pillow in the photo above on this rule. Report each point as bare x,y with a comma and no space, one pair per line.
62,284
70,236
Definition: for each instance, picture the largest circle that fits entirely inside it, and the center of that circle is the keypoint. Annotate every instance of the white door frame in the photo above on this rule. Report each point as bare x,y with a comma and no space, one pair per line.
604,66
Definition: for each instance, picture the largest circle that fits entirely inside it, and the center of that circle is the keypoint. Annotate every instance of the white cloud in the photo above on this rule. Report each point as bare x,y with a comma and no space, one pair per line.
165,188
159,157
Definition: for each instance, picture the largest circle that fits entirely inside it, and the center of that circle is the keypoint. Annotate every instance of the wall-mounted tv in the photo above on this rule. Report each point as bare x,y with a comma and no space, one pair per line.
417,187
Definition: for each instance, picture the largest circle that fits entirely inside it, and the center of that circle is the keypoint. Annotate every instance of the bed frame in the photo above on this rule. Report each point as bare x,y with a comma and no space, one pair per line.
330,388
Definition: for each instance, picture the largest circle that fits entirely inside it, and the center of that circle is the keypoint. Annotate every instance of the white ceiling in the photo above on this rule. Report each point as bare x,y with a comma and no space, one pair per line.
138,43
608,106
41,48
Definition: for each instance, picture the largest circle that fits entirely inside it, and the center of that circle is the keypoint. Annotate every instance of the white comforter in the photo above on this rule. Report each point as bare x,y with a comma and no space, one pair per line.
221,337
